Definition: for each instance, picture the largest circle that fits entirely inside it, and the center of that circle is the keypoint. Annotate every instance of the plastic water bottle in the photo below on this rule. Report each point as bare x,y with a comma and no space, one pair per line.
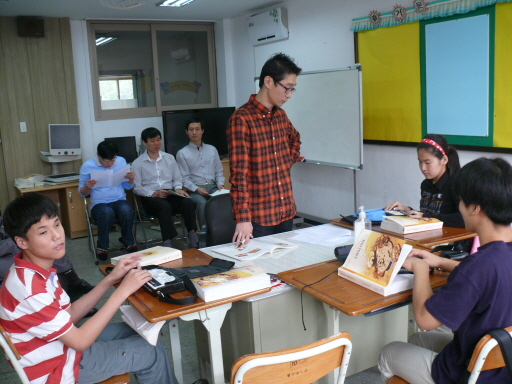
361,223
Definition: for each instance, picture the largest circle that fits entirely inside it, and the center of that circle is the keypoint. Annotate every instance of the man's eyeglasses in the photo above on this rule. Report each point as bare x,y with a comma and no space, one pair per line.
286,89
109,160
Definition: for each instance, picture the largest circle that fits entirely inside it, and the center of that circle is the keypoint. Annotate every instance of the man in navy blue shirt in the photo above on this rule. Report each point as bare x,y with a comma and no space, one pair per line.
476,298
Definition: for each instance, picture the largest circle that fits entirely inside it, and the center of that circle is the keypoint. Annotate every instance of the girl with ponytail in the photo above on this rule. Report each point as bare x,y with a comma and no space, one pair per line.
438,162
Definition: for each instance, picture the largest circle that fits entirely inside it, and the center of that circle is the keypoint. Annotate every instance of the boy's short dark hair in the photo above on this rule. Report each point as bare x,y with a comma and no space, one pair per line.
487,183
25,211
194,119
150,133
107,150
278,67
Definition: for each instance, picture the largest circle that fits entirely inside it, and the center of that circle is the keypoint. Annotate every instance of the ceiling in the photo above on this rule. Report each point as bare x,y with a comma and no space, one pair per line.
203,10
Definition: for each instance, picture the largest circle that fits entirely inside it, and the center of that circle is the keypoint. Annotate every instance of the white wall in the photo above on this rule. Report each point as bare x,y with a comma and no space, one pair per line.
320,39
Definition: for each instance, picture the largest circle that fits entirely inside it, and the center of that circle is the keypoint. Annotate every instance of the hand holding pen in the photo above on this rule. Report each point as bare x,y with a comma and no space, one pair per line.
243,234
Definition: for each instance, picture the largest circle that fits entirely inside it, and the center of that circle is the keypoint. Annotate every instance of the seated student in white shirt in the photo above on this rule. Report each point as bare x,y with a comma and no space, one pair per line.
157,173
200,167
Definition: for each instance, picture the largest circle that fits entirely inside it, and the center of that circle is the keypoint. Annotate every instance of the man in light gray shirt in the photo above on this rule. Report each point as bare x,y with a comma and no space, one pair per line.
158,183
200,167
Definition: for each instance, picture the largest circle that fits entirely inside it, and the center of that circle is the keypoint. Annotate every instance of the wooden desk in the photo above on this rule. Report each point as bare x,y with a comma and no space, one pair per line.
425,238
343,295
70,204
210,314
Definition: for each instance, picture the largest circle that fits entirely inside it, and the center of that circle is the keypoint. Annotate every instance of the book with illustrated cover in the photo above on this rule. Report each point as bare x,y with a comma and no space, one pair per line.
154,256
404,225
374,262
234,282
254,249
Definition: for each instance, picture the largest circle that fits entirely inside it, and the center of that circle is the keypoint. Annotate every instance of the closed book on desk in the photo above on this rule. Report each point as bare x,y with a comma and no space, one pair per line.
234,282
154,256
374,262
405,225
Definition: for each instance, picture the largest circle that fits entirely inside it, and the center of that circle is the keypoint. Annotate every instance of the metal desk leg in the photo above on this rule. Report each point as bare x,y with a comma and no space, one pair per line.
174,335
212,319
333,327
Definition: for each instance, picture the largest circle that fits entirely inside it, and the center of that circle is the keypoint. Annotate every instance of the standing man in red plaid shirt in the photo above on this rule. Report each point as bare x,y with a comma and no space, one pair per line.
263,146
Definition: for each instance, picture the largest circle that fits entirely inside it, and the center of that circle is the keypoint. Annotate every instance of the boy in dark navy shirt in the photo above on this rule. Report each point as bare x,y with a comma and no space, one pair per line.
476,298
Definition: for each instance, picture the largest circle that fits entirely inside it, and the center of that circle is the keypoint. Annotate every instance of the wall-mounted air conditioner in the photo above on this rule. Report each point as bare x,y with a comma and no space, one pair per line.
268,26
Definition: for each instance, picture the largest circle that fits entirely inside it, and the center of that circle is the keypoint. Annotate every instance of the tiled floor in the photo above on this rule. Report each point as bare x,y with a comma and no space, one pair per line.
83,262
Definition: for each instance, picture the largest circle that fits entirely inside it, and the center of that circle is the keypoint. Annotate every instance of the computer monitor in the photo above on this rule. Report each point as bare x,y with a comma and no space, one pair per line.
64,139
215,125
126,147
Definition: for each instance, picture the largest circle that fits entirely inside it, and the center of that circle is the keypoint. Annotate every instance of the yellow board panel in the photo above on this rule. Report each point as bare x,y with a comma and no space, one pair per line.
390,59
503,77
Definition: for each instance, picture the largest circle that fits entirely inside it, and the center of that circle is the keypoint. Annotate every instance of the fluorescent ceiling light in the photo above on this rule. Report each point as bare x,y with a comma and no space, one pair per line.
104,40
174,3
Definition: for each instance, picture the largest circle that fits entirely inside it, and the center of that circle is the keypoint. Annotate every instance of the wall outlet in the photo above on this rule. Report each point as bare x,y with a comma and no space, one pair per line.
23,126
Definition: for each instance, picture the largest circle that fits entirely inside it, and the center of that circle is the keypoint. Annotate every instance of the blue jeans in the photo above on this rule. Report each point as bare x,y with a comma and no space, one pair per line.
106,213
119,349
264,230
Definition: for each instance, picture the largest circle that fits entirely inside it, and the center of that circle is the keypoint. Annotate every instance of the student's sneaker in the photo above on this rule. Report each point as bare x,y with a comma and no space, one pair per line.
102,254
132,248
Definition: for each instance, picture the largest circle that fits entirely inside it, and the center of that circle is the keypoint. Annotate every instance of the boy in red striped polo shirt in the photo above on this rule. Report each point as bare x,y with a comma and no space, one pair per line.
40,319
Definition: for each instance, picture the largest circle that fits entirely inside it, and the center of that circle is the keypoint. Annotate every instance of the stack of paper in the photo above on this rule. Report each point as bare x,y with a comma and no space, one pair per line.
147,330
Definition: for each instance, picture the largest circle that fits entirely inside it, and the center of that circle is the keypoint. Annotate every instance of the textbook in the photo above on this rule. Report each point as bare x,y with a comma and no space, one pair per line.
236,281
219,192
374,262
405,225
154,256
172,192
254,249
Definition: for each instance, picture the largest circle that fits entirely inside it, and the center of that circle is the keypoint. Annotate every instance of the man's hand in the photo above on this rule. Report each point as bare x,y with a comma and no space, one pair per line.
243,233
133,280
123,266
90,183
202,192
130,176
181,192
219,187
161,194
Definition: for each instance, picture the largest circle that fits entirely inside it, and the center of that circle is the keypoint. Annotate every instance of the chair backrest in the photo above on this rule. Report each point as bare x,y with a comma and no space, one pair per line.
12,355
487,355
304,364
220,223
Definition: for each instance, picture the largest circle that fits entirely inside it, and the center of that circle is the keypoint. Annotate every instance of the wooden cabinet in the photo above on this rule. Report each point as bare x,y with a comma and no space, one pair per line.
70,203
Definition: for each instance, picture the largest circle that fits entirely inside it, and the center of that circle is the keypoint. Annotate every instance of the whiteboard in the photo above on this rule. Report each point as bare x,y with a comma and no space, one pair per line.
327,111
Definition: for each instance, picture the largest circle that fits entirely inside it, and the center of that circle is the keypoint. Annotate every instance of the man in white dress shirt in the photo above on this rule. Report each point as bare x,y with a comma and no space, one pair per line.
158,182
200,167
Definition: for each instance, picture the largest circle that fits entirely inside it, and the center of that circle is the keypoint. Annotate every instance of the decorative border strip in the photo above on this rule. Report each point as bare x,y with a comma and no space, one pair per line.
420,10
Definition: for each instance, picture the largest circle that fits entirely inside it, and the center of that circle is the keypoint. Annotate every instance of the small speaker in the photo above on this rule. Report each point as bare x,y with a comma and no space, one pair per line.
29,26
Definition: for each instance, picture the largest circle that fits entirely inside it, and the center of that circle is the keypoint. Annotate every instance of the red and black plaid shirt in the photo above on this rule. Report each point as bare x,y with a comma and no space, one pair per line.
263,146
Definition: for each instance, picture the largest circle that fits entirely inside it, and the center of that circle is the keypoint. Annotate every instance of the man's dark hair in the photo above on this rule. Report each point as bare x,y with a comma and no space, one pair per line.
278,67
150,133
25,211
487,183
107,150
194,119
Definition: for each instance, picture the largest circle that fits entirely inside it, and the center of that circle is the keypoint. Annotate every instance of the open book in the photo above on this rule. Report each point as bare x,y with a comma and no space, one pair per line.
147,330
236,281
405,225
254,249
154,256
374,262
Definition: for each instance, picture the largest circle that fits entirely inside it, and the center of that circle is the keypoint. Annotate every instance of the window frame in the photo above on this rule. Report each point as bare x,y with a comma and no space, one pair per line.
152,27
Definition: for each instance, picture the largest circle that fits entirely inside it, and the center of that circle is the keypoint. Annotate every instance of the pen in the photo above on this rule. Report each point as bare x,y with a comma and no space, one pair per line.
241,243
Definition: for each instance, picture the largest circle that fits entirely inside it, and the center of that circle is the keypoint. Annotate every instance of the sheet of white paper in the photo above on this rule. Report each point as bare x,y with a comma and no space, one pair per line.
118,177
219,192
103,178
330,236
